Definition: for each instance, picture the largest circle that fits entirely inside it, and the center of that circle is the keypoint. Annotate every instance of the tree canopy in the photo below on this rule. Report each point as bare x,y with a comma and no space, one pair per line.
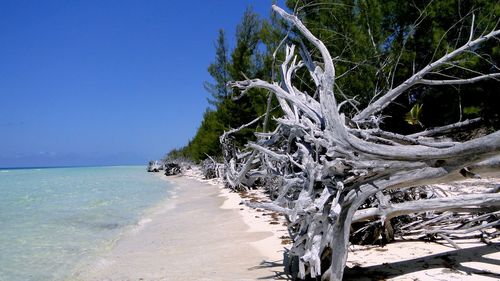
375,44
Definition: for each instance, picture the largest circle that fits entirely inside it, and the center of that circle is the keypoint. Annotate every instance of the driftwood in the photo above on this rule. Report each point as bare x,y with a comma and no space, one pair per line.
154,166
325,166
211,169
172,169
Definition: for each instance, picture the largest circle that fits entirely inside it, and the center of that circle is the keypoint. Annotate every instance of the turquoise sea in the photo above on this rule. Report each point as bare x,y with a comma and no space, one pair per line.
54,221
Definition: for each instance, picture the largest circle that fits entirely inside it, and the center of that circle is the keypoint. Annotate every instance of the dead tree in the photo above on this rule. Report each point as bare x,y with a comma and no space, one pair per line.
172,169
211,169
328,165
154,166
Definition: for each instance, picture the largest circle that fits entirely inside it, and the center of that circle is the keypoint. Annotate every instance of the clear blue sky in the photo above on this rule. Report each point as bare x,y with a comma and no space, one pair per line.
100,82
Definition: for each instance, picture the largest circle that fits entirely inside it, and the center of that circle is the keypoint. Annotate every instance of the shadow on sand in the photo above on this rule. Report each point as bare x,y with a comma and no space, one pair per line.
448,262
276,267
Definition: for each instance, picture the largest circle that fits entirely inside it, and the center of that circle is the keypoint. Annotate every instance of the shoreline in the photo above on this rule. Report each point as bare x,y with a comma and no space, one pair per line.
236,242
199,233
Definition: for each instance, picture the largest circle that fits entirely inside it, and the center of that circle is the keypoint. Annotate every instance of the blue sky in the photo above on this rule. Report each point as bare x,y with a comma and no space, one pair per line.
105,82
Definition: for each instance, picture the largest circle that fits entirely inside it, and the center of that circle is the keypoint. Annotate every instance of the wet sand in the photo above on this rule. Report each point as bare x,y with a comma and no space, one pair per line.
191,237
205,234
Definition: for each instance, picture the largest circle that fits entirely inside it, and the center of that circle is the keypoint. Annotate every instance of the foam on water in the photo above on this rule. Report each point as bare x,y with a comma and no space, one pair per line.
53,221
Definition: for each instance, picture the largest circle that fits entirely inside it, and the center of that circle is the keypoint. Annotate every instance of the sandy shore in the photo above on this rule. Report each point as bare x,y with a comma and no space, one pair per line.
418,260
204,233
198,235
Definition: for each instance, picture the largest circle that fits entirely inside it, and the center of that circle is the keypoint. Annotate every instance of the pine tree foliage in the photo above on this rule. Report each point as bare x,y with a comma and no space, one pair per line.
376,44
231,109
219,70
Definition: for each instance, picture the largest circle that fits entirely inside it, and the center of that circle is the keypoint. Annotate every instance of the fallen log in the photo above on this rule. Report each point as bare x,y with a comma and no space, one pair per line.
334,169
172,169
154,166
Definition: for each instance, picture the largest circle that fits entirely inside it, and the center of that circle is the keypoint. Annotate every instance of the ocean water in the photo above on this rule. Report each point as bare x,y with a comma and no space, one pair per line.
54,221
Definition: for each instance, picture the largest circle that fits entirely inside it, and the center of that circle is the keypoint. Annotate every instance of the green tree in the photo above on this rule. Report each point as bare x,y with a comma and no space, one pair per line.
352,32
377,44
231,109
423,32
219,70
245,62
206,140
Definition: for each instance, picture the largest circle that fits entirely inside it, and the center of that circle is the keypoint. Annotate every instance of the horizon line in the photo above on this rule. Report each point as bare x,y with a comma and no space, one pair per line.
68,166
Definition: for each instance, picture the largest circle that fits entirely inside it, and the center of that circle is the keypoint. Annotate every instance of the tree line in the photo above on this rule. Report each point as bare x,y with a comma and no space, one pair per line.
376,44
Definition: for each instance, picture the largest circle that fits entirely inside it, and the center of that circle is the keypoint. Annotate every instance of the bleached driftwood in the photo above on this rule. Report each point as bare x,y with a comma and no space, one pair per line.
328,165
154,166
172,169
211,168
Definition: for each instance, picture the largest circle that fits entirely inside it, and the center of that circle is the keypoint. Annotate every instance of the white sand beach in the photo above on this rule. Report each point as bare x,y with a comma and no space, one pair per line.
204,233
419,260
198,235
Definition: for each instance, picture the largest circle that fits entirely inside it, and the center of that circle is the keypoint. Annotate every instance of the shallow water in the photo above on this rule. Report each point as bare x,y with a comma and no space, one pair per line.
54,221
